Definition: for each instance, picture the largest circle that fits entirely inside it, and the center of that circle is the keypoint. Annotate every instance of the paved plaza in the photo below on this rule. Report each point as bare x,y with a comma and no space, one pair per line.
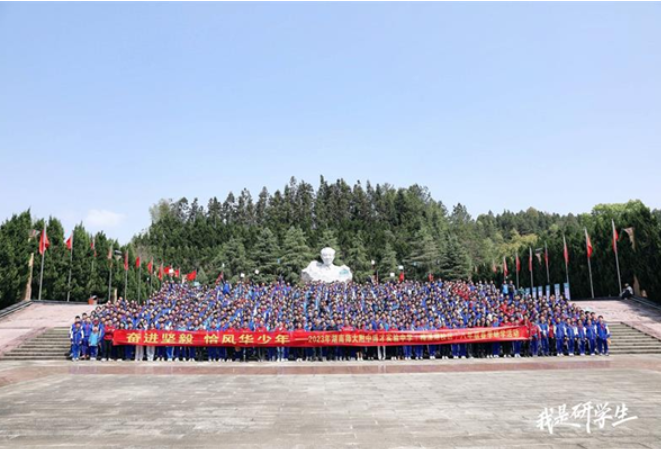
465,403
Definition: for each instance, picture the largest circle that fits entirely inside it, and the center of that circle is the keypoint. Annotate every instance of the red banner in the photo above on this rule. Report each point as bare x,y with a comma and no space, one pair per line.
317,338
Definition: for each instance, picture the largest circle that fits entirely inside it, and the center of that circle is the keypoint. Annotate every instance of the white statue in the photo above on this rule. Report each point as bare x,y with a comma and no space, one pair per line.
326,271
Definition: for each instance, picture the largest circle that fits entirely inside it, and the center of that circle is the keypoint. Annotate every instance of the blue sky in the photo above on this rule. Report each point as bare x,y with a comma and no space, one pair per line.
105,108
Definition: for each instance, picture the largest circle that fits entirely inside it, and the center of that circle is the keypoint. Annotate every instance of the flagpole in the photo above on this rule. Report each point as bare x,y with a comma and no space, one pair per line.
89,284
617,257
139,280
109,278
517,263
590,270
565,258
546,259
589,264
43,246
41,274
532,283
70,266
126,281
617,264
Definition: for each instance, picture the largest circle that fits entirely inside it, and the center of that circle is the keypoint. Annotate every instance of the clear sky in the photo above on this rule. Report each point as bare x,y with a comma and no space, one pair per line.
106,108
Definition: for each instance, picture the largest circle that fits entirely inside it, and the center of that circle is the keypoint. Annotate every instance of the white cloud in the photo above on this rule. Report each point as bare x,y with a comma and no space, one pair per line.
102,218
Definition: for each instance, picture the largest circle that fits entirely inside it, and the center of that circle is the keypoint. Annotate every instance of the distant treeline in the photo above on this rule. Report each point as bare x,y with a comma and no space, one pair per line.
280,232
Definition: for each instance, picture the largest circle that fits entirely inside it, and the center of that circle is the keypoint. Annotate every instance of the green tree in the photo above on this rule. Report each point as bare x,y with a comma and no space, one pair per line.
265,254
295,254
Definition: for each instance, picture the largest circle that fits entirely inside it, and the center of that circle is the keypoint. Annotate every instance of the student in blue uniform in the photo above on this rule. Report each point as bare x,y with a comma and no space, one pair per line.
94,343
77,336
495,346
591,336
571,337
73,326
560,337
544,337
580,338
603,334
87,330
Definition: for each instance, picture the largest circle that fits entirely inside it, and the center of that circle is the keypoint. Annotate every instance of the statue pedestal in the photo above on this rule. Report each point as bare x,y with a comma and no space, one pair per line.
316,271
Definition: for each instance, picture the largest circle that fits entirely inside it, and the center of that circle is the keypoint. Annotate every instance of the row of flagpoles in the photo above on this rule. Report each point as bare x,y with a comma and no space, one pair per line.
589,251
44,244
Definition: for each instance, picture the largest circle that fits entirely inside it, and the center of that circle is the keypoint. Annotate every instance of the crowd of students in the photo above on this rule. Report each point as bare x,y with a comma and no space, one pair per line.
557,326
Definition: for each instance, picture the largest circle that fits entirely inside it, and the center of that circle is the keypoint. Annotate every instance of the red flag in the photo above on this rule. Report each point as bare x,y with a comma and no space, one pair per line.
565,250
191,276
546,255
167,269
505,272
177,273
493,267
69,242
401,276
44,243
530,261
160,272
137,262
616,237
220,278
518,263
126,260
150,266
588,243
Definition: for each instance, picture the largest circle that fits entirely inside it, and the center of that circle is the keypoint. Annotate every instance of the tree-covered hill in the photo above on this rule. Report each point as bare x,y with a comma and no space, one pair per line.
279,233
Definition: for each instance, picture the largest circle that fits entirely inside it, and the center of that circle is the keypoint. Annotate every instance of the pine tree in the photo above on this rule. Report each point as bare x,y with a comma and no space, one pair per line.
454,263
295,254
387,262
236,259
357,259
424,251
265,254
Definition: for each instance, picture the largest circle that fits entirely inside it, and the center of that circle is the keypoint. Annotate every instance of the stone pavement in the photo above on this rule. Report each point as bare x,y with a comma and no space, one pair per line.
464,403
36,318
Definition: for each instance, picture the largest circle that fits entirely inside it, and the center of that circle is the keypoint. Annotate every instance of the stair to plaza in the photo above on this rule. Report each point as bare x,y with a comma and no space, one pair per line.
53,343
628,340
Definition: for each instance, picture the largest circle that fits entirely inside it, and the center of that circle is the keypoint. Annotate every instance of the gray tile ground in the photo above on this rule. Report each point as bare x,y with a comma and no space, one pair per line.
488,409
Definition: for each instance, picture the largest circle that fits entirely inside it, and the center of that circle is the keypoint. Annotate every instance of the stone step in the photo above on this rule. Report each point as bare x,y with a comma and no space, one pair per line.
41,347
629,347
53,340
31,358
634,351
627,333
